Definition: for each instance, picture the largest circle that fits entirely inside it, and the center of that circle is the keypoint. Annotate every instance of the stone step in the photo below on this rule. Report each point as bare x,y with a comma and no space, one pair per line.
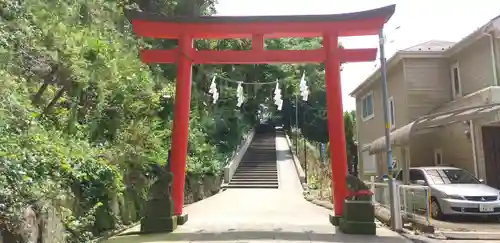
257,168
257,163
268,161
265,154
255,179
259,160
255,151
250,173
261,152
257,171
254,164
263,172
254,176
252,186
254,183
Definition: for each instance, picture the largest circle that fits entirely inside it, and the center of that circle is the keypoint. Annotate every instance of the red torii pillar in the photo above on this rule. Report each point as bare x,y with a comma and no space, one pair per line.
330,27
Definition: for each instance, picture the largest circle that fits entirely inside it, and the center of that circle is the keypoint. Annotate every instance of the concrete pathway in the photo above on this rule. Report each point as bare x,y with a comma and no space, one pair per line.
260,215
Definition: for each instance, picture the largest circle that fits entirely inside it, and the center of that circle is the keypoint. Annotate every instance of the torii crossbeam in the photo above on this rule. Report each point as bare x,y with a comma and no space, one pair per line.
257,28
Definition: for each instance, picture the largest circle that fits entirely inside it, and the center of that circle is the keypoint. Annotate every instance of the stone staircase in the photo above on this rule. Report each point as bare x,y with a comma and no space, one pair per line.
258,168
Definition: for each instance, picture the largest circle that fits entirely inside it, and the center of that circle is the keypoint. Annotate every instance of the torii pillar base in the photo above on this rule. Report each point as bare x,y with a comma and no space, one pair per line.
182,219
334,219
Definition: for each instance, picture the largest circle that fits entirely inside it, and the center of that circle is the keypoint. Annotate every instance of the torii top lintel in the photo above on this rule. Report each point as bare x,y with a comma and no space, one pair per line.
348,24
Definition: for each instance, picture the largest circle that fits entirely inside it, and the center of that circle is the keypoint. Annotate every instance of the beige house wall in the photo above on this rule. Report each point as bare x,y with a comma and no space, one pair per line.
475,66
373,128
428,84
422,149
430,90
456,147
497,57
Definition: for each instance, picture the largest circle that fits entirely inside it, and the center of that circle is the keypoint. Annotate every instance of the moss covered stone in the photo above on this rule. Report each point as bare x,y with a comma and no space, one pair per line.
159,212
359,214
158,224
359,211
356,227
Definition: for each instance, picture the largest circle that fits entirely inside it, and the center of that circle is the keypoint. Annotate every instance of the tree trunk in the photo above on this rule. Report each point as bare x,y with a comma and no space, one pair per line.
38,96
53,102
47,80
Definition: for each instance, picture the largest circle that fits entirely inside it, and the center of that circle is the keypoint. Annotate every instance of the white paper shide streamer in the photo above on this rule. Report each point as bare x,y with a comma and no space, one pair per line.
239,94
277,97
213,91
304,90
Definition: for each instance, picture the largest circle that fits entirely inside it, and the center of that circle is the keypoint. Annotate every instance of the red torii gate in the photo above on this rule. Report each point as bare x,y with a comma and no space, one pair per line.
330,27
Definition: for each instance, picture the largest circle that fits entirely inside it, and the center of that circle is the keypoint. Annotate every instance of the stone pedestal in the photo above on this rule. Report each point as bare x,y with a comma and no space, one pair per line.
158,224
159,211
358,218
159,216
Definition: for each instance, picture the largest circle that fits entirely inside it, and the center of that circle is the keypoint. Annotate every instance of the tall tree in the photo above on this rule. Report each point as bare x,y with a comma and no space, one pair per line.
350,126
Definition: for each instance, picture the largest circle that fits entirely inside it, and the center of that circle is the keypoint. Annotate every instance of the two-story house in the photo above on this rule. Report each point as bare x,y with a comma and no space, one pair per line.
444,102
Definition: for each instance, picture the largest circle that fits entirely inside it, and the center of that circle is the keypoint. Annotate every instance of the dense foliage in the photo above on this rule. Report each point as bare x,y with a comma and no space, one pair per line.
82,119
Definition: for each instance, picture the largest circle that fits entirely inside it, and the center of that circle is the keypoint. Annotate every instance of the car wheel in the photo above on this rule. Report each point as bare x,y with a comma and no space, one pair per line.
436,209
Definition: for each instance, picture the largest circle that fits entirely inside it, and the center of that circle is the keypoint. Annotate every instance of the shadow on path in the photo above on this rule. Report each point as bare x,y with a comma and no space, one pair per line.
276,235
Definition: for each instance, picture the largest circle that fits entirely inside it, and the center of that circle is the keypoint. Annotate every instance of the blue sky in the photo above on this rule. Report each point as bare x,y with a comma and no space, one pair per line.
419,21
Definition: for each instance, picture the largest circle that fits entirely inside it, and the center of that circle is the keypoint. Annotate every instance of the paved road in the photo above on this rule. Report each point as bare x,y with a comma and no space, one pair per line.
468,224
470,235
469,241
260,215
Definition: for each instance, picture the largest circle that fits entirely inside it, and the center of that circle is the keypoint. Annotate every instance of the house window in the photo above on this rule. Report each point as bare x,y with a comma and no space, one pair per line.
392,111
438,157
367,106
455,81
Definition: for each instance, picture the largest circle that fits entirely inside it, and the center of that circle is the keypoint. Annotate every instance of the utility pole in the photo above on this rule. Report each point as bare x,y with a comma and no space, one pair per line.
290,116
297,124
305,145
395,211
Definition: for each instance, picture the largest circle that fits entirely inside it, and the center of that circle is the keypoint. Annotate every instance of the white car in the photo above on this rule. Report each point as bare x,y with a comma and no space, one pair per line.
455,191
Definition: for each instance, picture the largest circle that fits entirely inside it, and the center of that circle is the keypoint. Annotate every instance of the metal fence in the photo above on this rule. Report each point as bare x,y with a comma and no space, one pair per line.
317,171
413,201
244,139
